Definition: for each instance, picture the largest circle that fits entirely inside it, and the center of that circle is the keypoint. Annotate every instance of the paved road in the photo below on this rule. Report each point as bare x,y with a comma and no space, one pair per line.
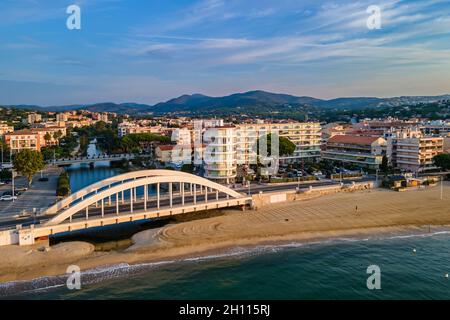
164,203
40,195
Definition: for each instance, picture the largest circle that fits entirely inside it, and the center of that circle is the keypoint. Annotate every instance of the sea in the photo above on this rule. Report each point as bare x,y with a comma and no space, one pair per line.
410,267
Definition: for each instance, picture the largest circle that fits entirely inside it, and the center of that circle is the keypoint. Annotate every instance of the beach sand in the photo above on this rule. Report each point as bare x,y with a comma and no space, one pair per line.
355,214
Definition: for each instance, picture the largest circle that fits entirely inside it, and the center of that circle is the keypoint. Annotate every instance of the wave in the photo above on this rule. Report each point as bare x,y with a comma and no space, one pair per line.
101,274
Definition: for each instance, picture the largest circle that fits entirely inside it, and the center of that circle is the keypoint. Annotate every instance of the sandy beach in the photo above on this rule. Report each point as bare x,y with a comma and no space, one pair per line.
355,214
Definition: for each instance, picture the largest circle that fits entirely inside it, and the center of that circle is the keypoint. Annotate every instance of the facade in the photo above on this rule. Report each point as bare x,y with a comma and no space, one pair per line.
126,128
306,136
220,154
414,152
447,144
182,136
5,128
33,139
33,118
23,139
364,151
438,127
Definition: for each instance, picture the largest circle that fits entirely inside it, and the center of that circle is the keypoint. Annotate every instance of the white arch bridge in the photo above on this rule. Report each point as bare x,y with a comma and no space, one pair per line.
134,196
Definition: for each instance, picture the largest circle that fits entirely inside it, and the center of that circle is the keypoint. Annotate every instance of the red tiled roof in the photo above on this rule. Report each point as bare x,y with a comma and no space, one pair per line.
361,140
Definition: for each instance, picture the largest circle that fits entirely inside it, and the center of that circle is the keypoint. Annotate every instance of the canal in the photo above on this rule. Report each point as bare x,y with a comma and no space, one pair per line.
83,175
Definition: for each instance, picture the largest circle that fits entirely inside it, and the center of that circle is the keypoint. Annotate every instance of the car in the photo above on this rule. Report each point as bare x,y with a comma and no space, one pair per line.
9,193
21,189
43,179
7,197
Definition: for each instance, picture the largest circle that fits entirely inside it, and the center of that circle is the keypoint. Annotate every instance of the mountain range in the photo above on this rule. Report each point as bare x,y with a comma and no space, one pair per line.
242,102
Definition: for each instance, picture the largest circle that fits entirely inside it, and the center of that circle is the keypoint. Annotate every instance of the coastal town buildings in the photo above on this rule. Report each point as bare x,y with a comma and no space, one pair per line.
126,128
220,154
414,151
34,138
5,128
33,118
364,151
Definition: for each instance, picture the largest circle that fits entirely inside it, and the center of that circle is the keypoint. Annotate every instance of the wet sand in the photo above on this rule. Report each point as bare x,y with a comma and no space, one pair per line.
356,214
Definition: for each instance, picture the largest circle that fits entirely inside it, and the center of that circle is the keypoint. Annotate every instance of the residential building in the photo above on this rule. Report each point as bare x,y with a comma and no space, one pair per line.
364,151
5,128
182,136
33,118
126,128
62,117
413,151
220,154
23,139
34,138
305,135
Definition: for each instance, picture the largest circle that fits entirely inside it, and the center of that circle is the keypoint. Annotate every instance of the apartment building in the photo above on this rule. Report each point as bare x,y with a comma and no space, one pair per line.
306,136
34,138
33,118
5,128
220,154
126,128
23,139
365,151
182,136
437,127
413,151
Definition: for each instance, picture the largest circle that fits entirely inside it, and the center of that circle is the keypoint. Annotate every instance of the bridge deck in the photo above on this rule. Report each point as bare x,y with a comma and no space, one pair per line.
110,219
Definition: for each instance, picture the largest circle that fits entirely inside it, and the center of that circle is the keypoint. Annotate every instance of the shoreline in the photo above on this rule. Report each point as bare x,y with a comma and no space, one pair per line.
298,223
121,269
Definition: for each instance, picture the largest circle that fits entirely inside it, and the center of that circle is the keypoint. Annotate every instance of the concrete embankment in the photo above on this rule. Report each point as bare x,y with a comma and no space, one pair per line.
264,199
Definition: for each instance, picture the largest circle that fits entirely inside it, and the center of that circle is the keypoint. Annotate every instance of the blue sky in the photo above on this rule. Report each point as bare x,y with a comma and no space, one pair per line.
150,50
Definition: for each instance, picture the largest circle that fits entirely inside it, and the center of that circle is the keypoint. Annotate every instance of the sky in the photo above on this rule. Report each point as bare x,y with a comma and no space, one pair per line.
148,51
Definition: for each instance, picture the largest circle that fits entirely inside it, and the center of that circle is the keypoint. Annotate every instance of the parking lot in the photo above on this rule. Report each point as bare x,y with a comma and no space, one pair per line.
40,195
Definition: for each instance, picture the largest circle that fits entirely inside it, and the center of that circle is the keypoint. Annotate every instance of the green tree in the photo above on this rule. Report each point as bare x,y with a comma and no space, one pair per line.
384,164
47,138
286,146
28,162
442,161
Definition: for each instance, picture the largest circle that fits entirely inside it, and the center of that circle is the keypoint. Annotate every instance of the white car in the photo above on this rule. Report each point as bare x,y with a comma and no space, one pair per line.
8,198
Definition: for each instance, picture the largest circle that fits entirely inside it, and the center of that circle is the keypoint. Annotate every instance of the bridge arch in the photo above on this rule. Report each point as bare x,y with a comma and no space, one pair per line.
133,180
106,183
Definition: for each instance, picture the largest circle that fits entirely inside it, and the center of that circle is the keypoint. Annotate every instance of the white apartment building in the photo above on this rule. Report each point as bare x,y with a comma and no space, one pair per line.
413,151
220,154
182,136
126,128
306,136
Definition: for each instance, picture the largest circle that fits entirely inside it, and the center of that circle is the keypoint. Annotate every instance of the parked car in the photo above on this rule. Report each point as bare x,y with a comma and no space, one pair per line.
7,197
21,189
43,179
9,193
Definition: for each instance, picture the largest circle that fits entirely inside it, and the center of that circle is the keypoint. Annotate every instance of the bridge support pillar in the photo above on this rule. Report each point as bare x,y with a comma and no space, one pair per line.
195,194
145,197
170,194
182,192
157,195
